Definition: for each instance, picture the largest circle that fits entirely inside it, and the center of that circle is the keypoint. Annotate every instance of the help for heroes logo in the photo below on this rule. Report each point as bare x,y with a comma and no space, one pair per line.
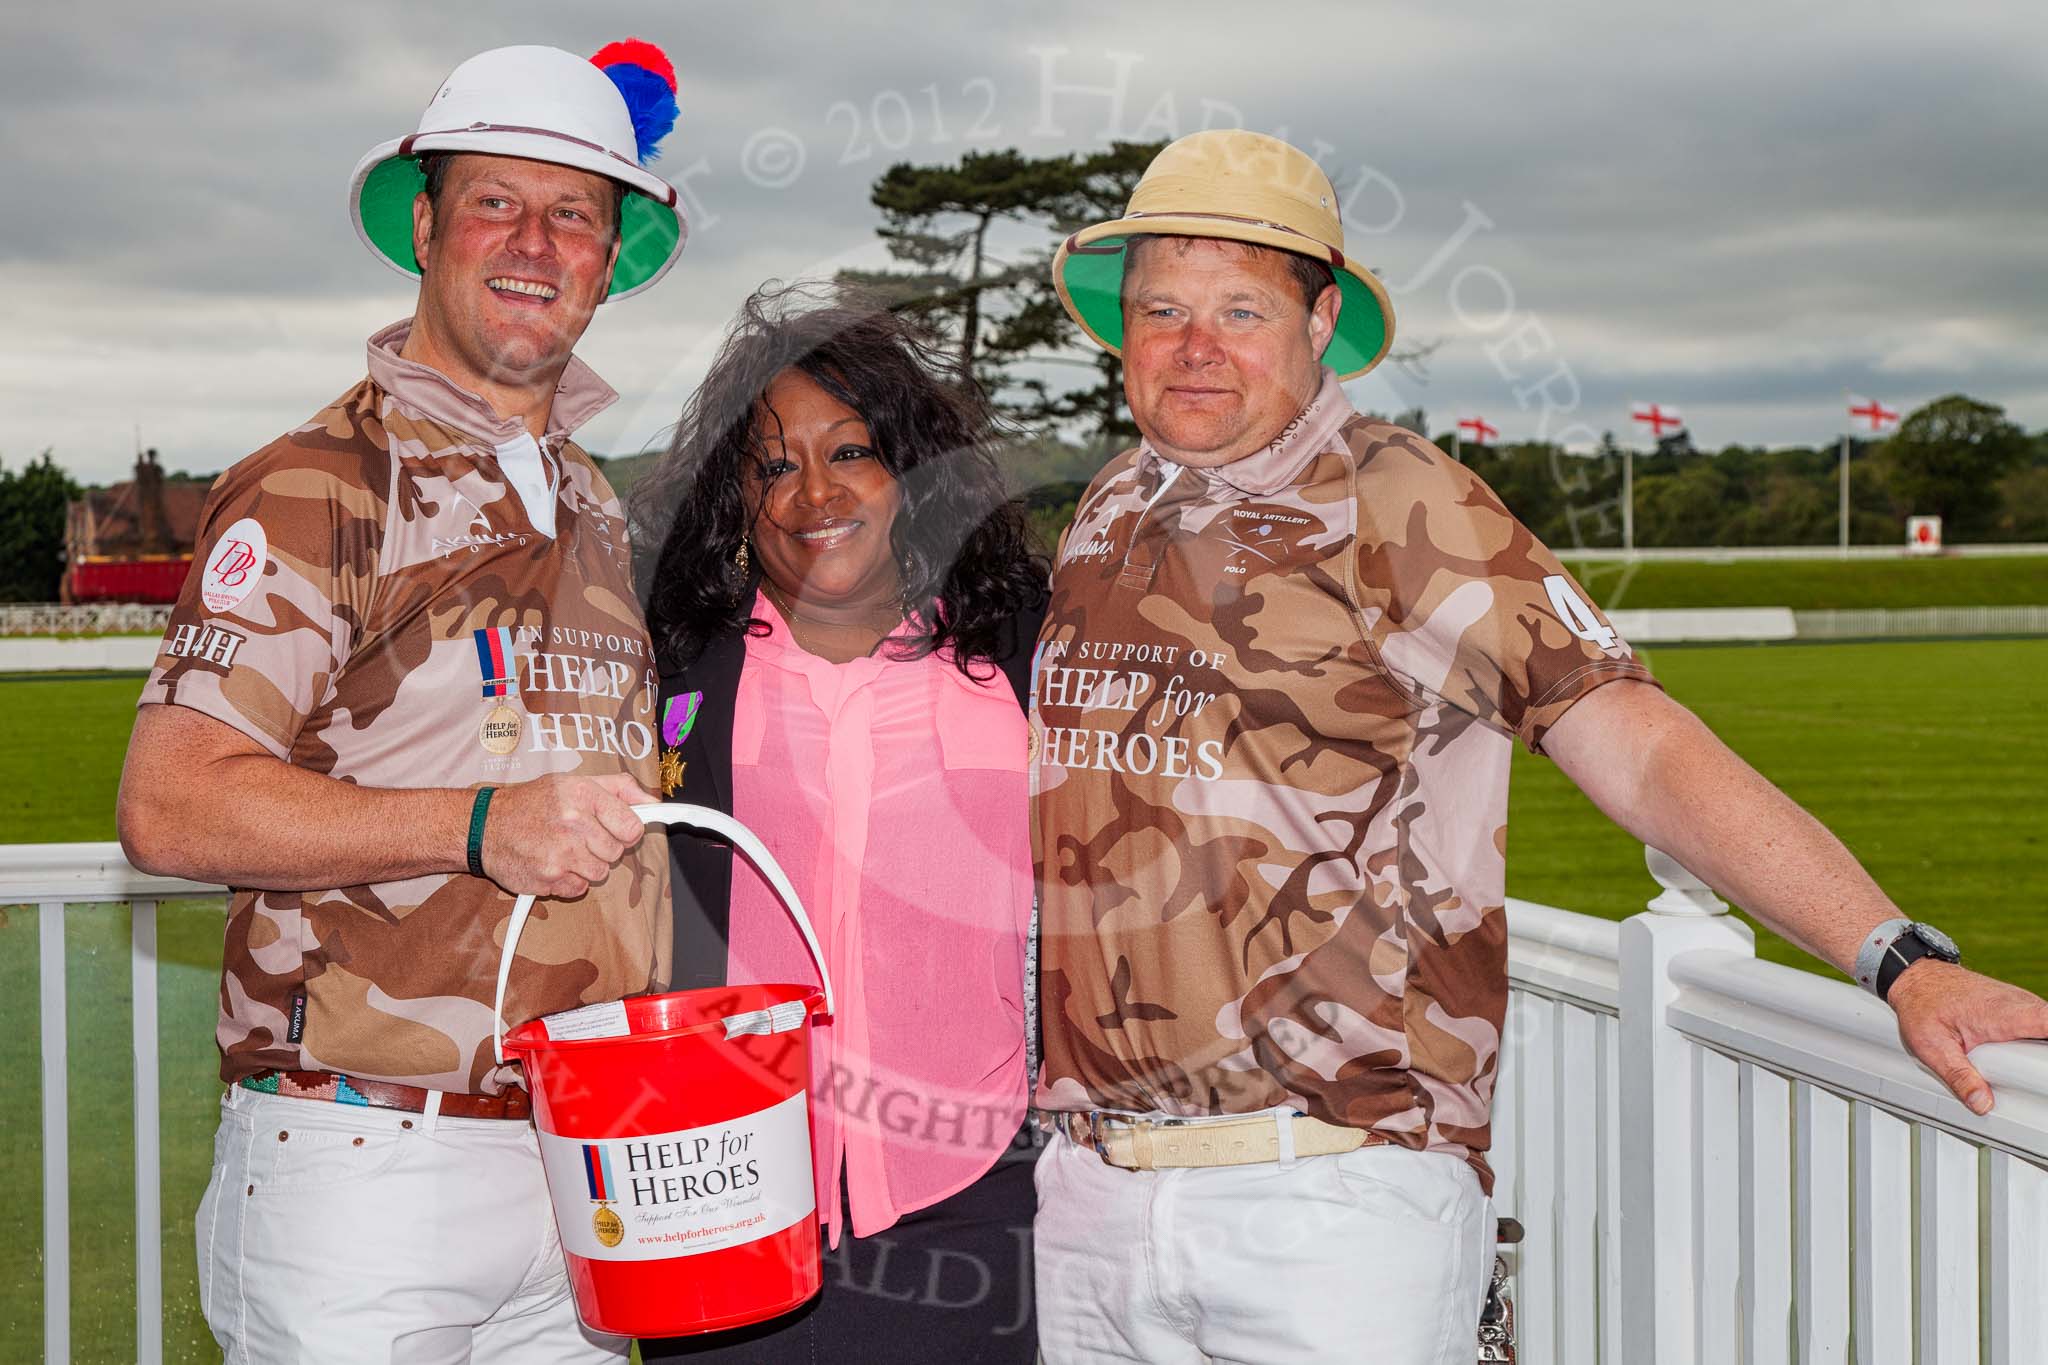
607,674
1142,726
681,1193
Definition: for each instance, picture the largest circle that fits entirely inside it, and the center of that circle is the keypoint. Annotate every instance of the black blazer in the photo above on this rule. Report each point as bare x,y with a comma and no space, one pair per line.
700,863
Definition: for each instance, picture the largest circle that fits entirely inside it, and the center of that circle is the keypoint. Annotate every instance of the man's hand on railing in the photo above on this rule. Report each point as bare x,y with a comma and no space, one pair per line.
1657,771
1945,1010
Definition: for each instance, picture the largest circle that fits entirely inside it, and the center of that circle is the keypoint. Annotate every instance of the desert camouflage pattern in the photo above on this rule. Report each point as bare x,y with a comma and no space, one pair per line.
1274,708
392,536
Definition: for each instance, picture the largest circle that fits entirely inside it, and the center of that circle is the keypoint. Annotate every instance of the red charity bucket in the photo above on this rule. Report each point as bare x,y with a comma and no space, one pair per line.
675,1135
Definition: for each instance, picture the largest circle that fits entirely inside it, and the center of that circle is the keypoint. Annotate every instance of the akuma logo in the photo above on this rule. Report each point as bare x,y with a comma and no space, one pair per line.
478,536
1094,549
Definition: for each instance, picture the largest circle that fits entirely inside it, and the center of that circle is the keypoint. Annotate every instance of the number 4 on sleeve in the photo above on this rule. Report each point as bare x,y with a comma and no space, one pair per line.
1576,613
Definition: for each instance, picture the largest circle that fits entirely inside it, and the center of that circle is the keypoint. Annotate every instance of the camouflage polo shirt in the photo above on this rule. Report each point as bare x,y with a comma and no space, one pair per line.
1274,707
409,592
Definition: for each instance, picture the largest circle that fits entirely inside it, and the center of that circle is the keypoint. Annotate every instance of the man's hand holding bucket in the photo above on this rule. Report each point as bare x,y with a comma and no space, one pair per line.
560,835
391,724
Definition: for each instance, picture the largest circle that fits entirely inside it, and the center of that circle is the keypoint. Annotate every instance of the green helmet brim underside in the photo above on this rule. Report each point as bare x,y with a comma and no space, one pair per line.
647,230
1094,278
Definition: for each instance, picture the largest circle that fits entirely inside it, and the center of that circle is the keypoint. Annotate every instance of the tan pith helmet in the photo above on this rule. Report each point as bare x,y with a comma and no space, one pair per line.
1242,187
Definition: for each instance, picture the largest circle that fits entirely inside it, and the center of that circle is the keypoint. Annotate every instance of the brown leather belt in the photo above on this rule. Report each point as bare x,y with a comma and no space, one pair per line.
513,1104
1138,1144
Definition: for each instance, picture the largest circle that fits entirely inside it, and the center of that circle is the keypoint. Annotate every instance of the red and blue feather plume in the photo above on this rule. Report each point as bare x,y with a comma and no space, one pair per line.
647,79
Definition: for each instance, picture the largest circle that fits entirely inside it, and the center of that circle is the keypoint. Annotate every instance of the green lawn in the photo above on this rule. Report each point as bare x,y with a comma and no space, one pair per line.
1802,584
1928,758
61,741
1811,584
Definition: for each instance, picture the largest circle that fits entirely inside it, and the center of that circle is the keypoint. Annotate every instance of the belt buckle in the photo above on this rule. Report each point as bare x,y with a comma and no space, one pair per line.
1096,1126
1098,1130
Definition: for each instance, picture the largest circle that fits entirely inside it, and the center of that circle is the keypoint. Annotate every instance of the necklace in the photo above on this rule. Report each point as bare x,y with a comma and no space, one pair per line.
878,620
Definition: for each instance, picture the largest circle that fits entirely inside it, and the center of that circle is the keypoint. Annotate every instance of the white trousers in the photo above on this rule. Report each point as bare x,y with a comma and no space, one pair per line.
338,1233
1375,1257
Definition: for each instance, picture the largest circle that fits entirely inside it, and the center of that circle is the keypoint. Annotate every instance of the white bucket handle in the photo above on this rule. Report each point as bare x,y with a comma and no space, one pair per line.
697,817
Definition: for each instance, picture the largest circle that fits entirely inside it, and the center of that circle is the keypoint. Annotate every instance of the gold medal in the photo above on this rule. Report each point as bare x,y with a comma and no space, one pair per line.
672,766
609,1227
499,734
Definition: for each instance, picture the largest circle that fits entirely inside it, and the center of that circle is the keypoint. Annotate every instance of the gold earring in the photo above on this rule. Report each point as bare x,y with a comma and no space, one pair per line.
740,559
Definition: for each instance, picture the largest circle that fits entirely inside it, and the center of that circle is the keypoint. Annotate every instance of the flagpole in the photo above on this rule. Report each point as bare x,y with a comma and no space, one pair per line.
1458,444
1628,501
1844,533
1653,416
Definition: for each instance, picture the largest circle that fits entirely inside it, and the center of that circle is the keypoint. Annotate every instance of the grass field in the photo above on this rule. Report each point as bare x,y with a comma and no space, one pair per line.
1813,584
1927,758
1802,584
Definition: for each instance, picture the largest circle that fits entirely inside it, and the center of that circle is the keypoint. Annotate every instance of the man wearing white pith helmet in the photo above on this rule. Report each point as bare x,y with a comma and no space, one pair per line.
1288,654
405,683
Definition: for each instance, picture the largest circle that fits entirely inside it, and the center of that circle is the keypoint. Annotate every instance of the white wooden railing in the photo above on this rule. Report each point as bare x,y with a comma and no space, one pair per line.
1719,1159
1716,1159
54,877
1738,553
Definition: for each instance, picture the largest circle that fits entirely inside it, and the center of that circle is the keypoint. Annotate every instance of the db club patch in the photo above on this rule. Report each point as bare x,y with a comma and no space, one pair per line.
235,566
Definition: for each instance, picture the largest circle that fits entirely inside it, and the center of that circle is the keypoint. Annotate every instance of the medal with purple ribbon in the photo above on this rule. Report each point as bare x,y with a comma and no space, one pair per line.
679,717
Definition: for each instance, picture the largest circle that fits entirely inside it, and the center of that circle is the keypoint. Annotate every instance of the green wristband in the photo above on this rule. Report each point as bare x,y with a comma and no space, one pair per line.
476,830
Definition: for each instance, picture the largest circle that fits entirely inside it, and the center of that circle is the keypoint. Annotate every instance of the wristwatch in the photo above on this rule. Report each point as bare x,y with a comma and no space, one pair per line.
1896,945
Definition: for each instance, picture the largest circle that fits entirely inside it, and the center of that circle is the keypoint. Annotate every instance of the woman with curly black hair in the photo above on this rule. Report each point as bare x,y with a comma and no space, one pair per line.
844,605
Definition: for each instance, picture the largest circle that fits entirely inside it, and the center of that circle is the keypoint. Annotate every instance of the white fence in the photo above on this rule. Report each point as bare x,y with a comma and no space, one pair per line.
92,618
1663,625
1646,626
1728,554
1716,1159
1870,623
1719,1159
79,654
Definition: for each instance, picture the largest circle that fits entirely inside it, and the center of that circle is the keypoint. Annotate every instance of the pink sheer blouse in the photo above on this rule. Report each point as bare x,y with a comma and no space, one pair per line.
894,795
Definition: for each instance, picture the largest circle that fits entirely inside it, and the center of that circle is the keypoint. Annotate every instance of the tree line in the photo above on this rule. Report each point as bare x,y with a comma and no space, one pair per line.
1957,458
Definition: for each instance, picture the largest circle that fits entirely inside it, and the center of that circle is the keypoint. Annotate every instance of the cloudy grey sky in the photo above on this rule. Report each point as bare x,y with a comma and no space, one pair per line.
1744,210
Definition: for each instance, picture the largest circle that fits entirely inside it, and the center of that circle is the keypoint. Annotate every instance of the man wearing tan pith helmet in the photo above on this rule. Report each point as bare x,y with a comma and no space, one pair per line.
1289,651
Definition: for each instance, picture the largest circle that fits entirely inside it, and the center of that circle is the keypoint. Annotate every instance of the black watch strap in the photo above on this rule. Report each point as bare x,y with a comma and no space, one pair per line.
1907,949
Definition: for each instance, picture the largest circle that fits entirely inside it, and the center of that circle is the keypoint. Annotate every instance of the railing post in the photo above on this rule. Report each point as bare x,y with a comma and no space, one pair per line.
1660,1132
149,1269
56,1137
